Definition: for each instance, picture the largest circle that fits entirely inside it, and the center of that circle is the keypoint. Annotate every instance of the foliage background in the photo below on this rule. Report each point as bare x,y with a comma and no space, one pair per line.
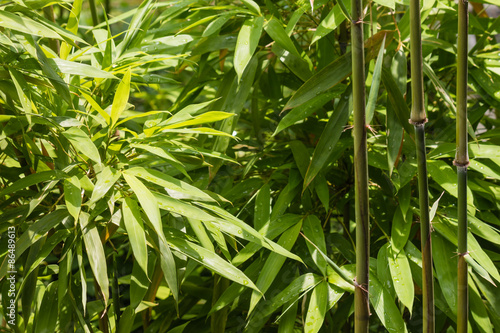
160,161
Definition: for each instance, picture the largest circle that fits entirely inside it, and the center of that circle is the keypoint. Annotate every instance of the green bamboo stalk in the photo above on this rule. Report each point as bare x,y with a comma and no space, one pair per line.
361,303
461,162
418,119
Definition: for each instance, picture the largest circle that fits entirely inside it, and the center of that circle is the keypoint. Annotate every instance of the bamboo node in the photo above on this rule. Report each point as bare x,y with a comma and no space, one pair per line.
461,164
418,122
463,254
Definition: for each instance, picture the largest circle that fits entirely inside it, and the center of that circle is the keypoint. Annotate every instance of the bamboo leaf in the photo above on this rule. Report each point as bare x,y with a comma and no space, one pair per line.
314,231
207,117
95,253
384,271
262,210
139,283
47,314
33,179
81,141
377,72
446,269
273,264
401,227
324,80
334,18
384,306
135,230
401,275
120,100
276,31
150,206
478,310
248,40
73,196
105,181
397,101
329,137
317,308
76,68
252,5
176,188
305,110
208,259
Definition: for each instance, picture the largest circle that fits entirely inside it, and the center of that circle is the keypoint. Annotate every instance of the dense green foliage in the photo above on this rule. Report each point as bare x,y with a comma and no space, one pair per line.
188,166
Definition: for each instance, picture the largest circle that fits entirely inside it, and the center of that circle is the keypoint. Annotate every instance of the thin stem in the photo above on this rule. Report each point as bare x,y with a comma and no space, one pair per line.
362,308
462,161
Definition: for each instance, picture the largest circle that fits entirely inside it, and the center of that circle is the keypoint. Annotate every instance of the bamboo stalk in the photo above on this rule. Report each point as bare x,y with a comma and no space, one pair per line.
418,119
361,303
461,162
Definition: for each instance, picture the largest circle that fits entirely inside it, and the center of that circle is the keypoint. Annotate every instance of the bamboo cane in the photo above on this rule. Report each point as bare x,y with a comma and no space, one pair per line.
362,307
418,119
461,162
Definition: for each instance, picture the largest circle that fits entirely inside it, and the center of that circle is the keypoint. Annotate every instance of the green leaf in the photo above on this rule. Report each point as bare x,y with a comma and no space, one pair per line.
27,26
273,264
445,264
215,25
81,141
39,229
73,196
96,255
150,206
208,259
276,31
33,179
305,110
207,117
317,308
139,283
253,6
314,231
279,225
248,40
47,314
121,97
383,270
105,180
240,229
135,230
401,275
397,100
324,80
377,72
262,211
478,309
329,137
401,227
176,188
446,177
334,18
297,65
76,68
291,293
384,306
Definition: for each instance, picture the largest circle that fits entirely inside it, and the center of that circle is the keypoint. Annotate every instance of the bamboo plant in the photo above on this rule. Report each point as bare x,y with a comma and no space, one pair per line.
418,119
461,162
362,307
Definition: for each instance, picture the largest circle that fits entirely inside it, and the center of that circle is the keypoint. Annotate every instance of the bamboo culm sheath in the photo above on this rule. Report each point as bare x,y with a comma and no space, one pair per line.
418,119
462,161
361,302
